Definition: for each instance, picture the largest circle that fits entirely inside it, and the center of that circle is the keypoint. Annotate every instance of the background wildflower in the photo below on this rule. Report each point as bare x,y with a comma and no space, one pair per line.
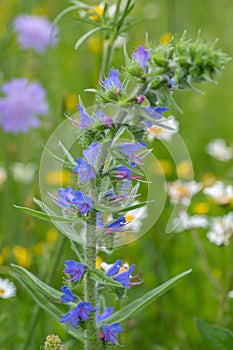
7,289
22,104
219,150
35,32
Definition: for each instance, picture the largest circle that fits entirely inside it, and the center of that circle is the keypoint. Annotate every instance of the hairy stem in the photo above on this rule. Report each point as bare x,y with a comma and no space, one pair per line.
89,284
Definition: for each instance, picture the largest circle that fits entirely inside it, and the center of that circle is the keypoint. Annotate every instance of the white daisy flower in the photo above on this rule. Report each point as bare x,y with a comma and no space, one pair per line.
23,173
219,150
134,217
182,192
221,193
185,222
221,230
161,133
7,289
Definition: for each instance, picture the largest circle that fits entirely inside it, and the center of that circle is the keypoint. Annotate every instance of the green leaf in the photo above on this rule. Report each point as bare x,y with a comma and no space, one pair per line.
101,277
67,153
144,300
215,337
69,165
136,206
41,215
86,36
47,306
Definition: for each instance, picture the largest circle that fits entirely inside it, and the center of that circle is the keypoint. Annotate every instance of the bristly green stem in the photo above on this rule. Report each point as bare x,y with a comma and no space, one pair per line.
89,284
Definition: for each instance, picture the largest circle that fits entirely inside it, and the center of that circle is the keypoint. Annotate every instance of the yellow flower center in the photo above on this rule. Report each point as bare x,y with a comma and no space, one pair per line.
2,292
155,130
129,218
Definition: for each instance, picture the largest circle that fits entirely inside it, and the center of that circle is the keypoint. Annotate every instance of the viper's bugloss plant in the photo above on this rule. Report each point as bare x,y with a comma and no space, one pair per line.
108,174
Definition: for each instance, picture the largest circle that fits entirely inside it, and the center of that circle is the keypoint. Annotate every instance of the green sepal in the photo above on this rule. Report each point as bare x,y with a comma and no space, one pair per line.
215,337
138,304
101,277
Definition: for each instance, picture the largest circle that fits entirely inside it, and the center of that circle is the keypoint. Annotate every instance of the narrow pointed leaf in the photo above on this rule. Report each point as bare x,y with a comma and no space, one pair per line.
47,306
36,284
67,153
41,215
87,35
101,277
138,304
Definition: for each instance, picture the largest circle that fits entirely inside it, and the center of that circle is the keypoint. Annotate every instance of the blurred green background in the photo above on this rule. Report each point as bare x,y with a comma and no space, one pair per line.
169,322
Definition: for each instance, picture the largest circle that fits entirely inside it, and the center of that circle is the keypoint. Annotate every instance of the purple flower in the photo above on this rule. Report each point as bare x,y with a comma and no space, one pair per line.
66,197
130,149
105,314
82,201
85,119
116,226
68,296
113,82
80,313
107,121
141,56
91,154
120,172
74,269
24,101
35,32
110,332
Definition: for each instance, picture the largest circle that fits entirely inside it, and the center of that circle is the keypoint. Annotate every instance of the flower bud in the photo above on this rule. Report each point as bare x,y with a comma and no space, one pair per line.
53,342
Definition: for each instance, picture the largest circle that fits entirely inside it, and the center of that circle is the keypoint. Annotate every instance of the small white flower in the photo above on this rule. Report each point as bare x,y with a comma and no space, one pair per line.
219,150
7,289
162,133
3,175
221,230
221,193
23,173
186,222
182,192
134,217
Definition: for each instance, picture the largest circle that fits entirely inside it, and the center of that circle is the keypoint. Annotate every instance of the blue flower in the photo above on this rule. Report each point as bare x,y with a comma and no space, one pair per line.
80,313
141,55
114,269
110,332
66,197
155,112
116,226
82,201
84,170
113,82
122,277
74,269
68,296
85,119
23,103
85,167
105,314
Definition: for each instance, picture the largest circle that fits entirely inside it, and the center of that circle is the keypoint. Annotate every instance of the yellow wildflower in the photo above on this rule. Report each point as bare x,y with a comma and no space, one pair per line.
99,260
165,38
201,208
22,255
185,170
96,13
52,235
57,177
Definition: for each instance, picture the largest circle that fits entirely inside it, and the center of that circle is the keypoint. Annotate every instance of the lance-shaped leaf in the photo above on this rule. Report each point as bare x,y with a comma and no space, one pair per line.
215,337
86,36
35,283
46,305
43,216
138,304
101,277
